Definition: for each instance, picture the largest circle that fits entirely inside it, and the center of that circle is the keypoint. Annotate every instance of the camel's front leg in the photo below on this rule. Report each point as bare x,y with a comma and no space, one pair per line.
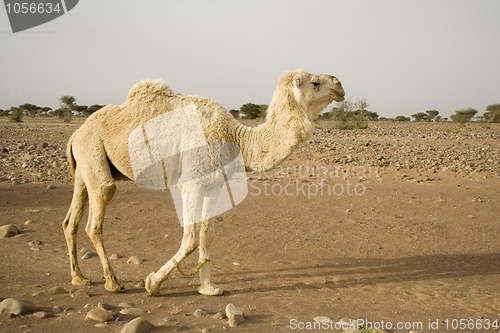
188,246
207,287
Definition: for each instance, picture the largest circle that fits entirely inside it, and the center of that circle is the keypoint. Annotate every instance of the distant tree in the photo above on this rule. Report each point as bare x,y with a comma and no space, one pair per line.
263,110
46,110
93,108
67,104
251,111
492,114
402,118
421,116
372,116
463,116
235,113
30,109
16,114
350,115
431,114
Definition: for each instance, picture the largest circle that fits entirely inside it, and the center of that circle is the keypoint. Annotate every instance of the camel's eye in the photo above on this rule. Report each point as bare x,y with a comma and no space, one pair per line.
315,83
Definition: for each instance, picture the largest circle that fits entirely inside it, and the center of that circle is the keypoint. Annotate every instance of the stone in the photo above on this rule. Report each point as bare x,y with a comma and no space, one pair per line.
135,312
234,315
206,330
322,319
51,291
57,309
347,323
100,315
181,328
125,305
201,313
135,260
104,306
17,306
137,325
40,314
9,230
220,315
45,145
114,256
80,294
51,187
89,254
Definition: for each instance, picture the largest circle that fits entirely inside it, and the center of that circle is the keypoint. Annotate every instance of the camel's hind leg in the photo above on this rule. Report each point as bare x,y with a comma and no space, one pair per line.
70,228
99,196
95,172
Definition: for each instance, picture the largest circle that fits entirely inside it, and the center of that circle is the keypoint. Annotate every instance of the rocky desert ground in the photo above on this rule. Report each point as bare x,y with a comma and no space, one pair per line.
394,227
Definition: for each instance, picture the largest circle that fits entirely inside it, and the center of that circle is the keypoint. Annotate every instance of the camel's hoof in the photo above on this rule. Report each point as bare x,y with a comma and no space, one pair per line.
152,290
113,286
80,281
210,290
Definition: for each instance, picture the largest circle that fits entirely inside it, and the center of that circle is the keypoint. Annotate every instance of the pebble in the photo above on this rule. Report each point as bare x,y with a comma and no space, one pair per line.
104,306
347,323
206,330
136,312
126,305
51,291
80,294
114,256
135,260
201,313
57,309
51,187
322,319
234,315
137,325
40,314
181,328
17,306
99,315
89,254
220,315
9,230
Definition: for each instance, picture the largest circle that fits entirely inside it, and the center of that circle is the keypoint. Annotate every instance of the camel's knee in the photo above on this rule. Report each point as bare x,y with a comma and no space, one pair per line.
107,190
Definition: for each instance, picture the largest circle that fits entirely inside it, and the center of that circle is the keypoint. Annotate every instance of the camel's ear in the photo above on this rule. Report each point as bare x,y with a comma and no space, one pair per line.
297,81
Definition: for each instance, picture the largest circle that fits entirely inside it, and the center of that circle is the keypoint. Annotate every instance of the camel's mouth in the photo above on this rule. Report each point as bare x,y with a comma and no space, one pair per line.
337,96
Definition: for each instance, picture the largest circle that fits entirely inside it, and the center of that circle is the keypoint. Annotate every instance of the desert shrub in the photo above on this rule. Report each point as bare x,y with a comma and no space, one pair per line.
402,118
16,114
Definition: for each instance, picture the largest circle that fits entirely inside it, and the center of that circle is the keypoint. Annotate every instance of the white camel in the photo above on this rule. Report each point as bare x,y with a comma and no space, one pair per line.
99,153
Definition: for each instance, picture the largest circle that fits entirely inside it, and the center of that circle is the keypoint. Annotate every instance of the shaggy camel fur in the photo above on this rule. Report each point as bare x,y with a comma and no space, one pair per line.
98,154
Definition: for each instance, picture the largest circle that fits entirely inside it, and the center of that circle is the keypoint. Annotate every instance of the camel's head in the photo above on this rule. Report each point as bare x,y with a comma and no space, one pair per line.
314,92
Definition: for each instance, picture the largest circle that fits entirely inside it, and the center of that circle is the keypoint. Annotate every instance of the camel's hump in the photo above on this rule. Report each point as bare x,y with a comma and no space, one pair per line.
147,90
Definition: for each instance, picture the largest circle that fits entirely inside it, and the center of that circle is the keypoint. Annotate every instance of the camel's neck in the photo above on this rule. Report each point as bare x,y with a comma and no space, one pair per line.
268,144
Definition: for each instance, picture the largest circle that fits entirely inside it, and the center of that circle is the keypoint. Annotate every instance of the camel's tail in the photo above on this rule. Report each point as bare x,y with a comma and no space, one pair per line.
71,159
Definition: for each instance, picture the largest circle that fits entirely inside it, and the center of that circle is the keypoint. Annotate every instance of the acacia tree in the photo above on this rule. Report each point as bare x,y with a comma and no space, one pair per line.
421,116
492,114
432,114
67,104
251,110
463,116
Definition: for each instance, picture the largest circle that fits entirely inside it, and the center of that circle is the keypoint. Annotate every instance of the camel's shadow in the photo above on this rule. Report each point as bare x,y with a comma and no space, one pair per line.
350,272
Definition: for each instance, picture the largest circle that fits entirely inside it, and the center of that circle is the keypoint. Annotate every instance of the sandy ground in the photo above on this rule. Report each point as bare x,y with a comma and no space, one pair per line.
397,246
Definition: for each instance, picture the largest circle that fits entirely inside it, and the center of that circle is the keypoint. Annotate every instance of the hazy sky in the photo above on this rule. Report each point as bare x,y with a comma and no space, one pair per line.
402,56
